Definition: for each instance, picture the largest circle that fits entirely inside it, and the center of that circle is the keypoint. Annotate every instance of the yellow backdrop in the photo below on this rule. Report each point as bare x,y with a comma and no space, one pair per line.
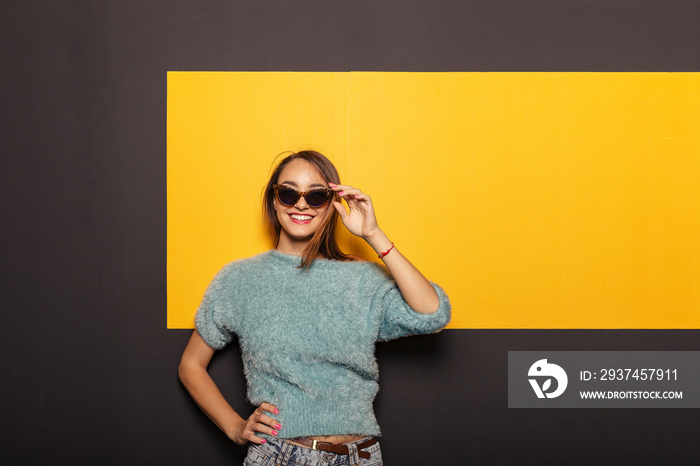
537,200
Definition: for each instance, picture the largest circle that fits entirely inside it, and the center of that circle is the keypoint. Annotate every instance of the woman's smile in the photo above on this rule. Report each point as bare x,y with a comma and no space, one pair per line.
301,219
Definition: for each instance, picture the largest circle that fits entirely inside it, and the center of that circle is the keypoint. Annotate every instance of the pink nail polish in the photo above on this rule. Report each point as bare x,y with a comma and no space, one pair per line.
274,432
276,411
278,425
264,441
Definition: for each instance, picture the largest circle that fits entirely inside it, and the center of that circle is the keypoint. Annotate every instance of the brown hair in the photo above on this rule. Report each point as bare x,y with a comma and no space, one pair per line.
323,243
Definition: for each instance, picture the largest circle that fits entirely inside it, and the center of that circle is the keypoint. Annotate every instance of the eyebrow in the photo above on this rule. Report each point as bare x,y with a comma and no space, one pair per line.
312,185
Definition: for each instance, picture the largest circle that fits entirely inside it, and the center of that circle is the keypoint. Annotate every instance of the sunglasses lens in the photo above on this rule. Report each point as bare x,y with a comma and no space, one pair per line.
317,197
287,196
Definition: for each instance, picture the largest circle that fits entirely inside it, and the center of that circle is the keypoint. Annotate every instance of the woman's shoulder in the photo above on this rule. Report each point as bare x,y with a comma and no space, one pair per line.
367,266
266,263
245,264
359,266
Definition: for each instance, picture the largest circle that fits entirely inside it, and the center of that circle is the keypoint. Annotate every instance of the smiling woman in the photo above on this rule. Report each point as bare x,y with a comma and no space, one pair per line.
307,317
285,207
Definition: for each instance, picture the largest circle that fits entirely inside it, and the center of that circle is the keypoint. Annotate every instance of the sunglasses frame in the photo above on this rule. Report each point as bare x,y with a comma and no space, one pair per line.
303,194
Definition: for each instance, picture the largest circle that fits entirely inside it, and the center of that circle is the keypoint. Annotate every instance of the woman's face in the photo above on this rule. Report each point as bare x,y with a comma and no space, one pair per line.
300,221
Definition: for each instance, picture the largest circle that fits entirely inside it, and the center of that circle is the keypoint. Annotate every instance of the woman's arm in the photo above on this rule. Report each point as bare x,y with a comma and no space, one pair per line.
194,376
361,221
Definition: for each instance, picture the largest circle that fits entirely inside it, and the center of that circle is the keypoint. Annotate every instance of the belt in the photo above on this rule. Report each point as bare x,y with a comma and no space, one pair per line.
340,449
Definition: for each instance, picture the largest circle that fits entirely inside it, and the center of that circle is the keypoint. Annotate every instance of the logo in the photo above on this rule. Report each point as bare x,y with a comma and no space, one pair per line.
545,372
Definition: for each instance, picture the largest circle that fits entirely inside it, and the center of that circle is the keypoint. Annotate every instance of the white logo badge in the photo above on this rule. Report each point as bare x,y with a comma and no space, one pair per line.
541,370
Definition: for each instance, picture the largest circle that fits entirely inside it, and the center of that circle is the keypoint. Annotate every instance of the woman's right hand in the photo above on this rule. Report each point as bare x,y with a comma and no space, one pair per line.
198,382
259,421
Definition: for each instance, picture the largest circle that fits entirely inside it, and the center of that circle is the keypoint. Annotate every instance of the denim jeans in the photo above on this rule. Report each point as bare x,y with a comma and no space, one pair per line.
279,452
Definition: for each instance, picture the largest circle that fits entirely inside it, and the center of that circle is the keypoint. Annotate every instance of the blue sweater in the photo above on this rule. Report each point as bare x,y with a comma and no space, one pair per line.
307,336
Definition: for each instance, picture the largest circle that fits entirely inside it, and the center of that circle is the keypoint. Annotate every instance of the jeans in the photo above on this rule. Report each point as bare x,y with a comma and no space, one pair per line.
279,452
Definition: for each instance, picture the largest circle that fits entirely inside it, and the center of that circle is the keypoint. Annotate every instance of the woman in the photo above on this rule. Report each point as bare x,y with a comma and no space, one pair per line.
307,317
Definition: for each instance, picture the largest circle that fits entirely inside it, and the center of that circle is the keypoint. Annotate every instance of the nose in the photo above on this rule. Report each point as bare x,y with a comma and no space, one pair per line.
301,203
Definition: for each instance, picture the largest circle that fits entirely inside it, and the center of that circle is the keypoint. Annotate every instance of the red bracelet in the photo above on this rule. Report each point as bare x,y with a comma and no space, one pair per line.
381,256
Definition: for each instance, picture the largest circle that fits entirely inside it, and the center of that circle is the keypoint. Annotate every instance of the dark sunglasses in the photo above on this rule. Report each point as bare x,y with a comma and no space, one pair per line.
316,197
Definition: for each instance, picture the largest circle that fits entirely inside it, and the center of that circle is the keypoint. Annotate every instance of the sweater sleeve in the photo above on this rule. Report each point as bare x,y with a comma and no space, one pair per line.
215,320
397,319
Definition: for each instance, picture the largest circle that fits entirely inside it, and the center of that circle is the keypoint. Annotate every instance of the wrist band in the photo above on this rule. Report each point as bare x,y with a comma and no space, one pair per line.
381,256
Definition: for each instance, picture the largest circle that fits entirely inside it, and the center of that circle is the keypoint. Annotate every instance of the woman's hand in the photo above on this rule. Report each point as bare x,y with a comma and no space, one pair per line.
360,220
197,381
259,421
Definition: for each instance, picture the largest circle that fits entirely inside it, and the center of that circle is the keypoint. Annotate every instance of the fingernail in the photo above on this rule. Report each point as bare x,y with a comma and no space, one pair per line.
357,195
264,441
341,192
274,432
276,411
278,425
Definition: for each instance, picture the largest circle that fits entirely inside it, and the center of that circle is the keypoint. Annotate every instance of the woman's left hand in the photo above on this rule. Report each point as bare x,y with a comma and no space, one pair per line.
360,220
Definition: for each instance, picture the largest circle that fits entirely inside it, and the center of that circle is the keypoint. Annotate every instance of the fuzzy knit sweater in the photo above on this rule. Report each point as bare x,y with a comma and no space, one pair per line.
307,336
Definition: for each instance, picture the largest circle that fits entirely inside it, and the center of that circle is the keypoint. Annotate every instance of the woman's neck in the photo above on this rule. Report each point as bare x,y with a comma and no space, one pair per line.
291,246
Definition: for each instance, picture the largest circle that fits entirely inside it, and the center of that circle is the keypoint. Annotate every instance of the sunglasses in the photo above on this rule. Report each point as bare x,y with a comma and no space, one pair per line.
316,197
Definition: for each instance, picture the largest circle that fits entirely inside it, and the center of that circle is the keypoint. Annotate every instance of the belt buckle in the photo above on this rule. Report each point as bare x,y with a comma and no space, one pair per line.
313,445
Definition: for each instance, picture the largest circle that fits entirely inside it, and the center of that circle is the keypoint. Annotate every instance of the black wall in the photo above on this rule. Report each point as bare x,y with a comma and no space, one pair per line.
88,366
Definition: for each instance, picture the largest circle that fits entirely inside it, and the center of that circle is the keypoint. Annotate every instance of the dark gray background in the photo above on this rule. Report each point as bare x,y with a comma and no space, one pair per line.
88,367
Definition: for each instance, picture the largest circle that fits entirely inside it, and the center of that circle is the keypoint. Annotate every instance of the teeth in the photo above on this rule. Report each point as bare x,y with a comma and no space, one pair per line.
301,217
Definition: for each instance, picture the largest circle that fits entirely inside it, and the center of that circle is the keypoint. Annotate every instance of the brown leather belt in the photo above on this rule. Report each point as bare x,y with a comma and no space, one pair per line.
340,449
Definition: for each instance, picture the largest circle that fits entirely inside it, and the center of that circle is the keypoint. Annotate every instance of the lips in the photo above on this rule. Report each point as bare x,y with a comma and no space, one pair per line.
301,218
